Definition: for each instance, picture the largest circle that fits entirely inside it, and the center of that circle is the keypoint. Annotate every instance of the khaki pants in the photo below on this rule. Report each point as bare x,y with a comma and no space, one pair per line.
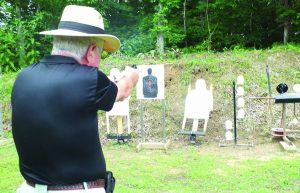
25,188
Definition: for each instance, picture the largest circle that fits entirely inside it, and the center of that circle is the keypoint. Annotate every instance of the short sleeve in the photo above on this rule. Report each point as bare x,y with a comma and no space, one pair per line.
106,92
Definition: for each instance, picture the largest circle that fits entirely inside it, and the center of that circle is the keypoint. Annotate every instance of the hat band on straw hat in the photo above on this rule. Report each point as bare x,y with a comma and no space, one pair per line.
80,27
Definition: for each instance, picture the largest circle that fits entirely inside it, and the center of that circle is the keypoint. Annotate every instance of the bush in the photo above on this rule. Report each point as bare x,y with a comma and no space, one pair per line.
136,44
18,46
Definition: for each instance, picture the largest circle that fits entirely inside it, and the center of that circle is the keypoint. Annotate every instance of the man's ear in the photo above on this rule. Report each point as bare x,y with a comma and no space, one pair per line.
91,53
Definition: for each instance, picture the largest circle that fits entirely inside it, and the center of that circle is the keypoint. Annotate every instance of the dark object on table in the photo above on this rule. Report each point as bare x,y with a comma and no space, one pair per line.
282,88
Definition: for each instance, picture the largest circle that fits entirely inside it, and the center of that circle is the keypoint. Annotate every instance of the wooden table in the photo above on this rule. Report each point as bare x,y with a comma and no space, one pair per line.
284,99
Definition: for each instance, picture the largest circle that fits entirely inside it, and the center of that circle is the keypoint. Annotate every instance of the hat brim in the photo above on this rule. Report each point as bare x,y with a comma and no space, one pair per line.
111,43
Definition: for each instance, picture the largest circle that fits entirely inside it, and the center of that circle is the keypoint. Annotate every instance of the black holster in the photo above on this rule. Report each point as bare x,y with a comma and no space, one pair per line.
110,182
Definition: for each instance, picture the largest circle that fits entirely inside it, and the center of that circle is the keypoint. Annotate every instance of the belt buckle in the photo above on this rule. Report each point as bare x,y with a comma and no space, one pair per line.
85,185
41,188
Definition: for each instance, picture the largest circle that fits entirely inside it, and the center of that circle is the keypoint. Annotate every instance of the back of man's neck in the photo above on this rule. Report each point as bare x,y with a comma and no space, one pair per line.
66,53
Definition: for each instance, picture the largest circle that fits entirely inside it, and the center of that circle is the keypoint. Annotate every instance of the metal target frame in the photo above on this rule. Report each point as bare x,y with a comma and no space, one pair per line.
240,92
158,71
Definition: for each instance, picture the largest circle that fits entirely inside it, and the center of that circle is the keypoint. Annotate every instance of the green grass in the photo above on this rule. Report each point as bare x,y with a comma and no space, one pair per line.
10,176
190,169
182,170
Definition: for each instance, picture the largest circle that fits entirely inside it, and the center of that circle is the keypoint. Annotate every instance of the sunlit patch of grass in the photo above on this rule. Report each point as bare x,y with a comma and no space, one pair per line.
180,170
10,177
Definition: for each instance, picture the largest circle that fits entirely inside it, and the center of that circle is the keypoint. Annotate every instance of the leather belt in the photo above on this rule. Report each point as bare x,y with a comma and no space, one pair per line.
80,186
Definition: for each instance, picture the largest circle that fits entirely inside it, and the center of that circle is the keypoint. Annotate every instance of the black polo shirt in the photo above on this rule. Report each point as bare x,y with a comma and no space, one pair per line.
54,120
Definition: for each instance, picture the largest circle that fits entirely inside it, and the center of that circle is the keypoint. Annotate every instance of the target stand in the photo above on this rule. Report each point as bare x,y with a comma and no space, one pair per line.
153,145
151,87
120,110
194,132
283,131
198,105
229,136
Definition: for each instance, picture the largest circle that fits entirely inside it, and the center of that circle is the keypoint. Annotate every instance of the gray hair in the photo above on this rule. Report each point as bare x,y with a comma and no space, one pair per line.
75,45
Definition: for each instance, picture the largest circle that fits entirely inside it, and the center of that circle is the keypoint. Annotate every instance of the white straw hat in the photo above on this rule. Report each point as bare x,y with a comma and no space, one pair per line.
82,21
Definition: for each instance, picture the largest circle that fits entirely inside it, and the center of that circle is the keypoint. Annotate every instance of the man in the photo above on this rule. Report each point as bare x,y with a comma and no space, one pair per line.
150,85
55,103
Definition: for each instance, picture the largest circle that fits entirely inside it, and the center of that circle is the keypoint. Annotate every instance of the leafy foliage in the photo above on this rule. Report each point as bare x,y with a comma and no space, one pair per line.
19,46
216,25
138,44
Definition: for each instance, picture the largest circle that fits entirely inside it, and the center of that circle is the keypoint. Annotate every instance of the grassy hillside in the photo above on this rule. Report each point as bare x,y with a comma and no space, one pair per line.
218,69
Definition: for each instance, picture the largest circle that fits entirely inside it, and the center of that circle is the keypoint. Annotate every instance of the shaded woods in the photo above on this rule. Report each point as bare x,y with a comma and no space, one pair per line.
158,26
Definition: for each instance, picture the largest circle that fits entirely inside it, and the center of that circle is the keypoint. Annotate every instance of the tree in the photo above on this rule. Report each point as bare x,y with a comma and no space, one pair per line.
184,21
160,34
18,46
287,14
147,25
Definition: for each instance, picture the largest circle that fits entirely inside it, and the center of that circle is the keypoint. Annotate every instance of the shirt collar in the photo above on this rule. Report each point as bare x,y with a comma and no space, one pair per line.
57,59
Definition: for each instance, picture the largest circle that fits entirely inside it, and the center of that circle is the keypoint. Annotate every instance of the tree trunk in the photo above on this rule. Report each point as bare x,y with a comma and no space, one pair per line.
208,29
160,34
20,37
286,25
160,42
184,21
251,22
286,32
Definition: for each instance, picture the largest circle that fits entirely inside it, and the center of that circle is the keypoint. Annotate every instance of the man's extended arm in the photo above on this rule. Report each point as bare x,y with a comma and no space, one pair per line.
126,83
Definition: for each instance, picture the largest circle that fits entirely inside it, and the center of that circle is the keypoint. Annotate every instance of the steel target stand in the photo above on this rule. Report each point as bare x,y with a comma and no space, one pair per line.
119,135
250,144
120,111
198,106
153,145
